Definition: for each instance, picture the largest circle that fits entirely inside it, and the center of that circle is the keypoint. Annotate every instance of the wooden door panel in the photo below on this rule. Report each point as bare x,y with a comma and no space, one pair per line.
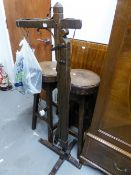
16,9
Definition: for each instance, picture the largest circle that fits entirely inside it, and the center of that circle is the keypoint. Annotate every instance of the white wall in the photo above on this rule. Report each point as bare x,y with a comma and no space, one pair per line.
97,17
5,50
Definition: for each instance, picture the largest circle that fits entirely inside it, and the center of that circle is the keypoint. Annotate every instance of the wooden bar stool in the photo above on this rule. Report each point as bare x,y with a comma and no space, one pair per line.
83,84
49,82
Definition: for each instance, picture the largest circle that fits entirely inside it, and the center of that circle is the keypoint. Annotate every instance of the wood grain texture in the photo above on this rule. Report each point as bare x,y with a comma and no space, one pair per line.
111,158
16,9
130,95
113,97
119,94
88,55
112,116
84,78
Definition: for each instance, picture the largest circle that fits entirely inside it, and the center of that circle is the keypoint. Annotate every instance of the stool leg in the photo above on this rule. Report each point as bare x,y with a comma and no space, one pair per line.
80,125
35,110
49,114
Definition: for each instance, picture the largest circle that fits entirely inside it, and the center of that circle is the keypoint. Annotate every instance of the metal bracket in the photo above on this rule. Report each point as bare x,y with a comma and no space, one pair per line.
58,47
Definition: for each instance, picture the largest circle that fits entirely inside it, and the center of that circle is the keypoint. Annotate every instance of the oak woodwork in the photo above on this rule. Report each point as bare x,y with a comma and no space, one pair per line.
49,71
88,55
83,81
111,160
109,135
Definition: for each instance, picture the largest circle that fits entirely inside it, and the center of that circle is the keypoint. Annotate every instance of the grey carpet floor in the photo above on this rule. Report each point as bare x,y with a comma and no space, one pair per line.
20,151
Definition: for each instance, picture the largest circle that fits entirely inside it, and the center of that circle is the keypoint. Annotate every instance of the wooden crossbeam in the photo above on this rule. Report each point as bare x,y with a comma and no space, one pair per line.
44,23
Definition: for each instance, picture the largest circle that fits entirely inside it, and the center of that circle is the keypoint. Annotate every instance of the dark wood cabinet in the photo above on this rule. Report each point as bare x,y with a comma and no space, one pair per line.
108,142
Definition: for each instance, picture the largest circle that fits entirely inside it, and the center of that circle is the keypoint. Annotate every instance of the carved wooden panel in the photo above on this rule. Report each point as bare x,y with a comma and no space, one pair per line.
16,9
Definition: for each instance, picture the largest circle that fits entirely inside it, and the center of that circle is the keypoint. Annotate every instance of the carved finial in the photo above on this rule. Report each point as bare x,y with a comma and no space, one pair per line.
58,5
58,8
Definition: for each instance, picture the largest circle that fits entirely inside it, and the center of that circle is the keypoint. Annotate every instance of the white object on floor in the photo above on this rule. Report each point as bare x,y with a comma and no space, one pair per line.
42,112
1,160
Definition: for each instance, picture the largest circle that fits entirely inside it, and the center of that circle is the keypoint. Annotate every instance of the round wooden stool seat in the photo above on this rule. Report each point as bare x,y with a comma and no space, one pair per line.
49,73
83,81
